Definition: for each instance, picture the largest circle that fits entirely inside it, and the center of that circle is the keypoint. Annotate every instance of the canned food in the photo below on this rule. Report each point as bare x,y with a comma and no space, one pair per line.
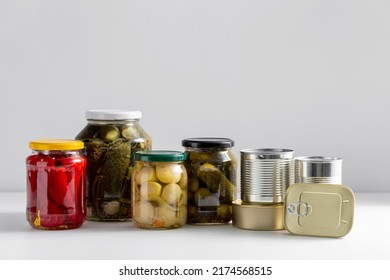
318,170
212,168
325,210
266,174
111,138
56,179
159,190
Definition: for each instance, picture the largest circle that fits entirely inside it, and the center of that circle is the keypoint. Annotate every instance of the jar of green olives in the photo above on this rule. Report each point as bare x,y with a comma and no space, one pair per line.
111,137
212,173
159,192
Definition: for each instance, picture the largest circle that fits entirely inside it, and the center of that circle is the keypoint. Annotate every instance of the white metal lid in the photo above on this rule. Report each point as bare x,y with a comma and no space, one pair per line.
107,114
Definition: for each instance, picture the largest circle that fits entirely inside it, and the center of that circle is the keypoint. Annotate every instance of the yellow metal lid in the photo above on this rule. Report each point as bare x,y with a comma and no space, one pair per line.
319,210
56,144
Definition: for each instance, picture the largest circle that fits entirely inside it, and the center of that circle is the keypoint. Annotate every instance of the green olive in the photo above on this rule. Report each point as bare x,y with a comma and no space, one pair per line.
129,132
168,172
171,193
112,207
150,191
109,133
203,197
143,213
145,174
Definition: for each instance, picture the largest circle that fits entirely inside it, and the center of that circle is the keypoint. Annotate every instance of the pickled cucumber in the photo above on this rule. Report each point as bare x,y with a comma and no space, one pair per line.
211,176
224,211
193,185
109,167
129,132
109,133
211,185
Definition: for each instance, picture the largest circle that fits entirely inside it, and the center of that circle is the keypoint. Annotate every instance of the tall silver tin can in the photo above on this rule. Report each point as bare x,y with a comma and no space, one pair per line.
266,174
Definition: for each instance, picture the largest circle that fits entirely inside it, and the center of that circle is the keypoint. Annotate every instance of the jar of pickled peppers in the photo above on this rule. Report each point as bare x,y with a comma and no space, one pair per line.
56,184
212,172
159,190
111,137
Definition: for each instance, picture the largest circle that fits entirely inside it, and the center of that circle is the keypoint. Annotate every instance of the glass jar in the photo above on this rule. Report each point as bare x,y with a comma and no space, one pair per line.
212,173
56,184
111,137
159,190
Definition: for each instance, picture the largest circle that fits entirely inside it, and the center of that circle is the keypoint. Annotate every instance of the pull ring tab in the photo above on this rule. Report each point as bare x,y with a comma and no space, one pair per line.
301,209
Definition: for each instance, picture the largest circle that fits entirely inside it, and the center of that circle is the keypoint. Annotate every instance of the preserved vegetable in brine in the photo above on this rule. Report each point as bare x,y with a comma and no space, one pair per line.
111,138
159,190
211,168
56,179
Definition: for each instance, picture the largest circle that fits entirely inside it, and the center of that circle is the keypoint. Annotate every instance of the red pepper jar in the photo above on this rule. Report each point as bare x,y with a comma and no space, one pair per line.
56,184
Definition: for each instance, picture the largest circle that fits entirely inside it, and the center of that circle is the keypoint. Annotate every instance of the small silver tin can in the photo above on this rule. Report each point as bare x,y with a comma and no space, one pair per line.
318,170
266,174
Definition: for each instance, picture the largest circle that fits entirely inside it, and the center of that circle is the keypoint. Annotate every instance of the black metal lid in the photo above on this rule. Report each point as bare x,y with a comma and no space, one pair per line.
208,142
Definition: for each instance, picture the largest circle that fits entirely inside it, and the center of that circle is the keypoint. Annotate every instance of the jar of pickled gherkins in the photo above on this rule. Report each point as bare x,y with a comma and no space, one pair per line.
159,190
56,179
111,137
212,172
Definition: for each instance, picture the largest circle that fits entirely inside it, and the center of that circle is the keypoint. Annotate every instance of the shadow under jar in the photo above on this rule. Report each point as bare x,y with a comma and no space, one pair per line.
159,190
111,137
212,172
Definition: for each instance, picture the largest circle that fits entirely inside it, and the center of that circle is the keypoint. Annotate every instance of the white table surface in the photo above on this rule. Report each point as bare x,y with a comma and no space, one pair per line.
369,238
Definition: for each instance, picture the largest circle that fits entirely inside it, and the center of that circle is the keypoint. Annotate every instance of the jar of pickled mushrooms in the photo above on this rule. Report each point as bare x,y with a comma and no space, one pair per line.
159,190
111,137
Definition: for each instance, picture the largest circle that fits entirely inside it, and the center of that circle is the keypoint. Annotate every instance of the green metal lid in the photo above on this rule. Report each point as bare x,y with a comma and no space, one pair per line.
160,156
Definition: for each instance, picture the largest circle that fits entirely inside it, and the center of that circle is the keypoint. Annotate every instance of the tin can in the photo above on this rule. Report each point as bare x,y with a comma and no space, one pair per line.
56,184
324,210
266,174
318,170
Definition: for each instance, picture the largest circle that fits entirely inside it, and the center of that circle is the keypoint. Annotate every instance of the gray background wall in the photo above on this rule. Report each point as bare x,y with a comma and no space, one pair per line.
308,75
